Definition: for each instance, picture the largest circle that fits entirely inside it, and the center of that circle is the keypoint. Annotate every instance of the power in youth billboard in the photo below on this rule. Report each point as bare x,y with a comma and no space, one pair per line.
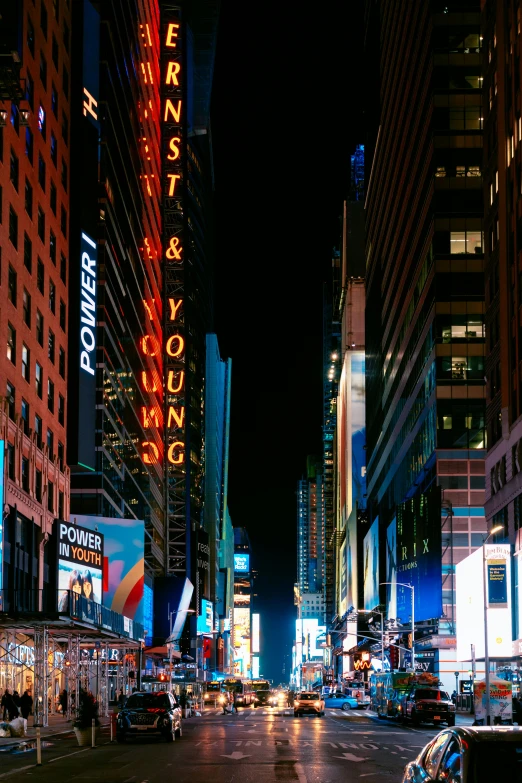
419,555
80,563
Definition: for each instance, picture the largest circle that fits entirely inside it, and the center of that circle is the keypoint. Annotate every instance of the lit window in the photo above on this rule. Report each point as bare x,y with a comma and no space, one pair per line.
440,171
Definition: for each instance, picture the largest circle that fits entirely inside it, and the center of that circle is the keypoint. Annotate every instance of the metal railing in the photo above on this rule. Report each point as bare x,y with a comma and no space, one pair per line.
54,604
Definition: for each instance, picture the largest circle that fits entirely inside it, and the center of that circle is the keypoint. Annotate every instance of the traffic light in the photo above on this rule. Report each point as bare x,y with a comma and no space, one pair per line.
162,677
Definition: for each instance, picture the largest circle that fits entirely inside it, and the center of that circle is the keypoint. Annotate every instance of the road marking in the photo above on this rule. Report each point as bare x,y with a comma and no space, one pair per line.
14,771
69,754
300,773
351,757
236,755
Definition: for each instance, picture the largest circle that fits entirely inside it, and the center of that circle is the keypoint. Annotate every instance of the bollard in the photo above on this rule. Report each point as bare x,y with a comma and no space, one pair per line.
38,748
93,730
112,725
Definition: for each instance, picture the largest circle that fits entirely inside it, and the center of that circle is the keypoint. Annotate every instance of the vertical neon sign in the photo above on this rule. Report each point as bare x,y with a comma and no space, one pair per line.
174,337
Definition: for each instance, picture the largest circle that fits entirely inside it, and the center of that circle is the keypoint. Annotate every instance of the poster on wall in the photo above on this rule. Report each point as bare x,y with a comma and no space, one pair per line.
351,560
357,431
500,699
80,563
391,570
371,566
343,579
124,542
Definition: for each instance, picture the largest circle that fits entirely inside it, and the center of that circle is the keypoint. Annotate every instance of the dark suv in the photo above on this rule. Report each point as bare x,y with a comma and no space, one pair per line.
432,705
149,714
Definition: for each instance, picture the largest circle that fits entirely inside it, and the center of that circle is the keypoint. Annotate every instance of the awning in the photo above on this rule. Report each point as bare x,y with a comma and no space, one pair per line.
163,651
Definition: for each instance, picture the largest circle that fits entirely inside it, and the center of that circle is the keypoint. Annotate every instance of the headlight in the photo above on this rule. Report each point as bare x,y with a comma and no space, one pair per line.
206,695
317,703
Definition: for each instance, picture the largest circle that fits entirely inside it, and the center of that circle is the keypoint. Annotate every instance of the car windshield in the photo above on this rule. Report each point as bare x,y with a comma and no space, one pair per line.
147,701
308,697
493,757
428,693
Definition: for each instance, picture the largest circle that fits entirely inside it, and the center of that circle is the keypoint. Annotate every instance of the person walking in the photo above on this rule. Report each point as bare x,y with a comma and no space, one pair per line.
5,703
63,698
10,708
26,704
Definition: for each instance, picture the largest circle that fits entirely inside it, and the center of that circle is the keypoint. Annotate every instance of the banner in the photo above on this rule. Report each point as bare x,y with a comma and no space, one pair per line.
80,563
500,699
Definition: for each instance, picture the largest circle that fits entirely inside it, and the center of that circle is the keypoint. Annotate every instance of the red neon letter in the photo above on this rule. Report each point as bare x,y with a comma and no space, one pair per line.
178,417
170,381
149,459
180,458
145,345
149,417
174,307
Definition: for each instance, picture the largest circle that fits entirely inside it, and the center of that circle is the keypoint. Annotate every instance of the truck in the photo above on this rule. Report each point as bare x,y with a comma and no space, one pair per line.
392,692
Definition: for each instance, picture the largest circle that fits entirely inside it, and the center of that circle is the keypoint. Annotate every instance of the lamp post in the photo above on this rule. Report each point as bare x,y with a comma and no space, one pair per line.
494,530
410,587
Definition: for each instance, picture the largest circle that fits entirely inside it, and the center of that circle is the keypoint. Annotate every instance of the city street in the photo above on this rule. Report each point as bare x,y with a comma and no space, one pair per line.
252,746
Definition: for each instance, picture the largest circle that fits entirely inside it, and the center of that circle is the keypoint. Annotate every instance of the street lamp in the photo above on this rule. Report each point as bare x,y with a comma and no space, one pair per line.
494,530
410,587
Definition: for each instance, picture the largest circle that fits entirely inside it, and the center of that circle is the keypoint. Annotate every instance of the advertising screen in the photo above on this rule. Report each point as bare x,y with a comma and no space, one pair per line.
148,613
391,570
124,562
203,564
80,563
241,564
351,561
255,633
241,626
309,634
470,606
419,555
255,666
357,429
343,566
371,566
205,622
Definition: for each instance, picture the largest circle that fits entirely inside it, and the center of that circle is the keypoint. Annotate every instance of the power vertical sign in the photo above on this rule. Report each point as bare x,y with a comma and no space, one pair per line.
173,185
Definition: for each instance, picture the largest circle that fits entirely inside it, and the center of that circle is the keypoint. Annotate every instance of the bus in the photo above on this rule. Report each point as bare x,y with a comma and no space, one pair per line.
242,690
213,690
262,693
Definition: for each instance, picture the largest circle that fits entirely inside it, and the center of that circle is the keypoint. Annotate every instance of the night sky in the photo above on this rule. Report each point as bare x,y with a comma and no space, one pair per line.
286,115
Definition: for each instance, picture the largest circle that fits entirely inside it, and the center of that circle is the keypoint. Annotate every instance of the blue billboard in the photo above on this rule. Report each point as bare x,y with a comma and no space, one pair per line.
241,564
371,566
419,555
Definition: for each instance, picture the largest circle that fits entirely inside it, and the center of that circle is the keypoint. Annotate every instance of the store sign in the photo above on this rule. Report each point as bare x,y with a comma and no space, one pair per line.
241,564
88,305
80,563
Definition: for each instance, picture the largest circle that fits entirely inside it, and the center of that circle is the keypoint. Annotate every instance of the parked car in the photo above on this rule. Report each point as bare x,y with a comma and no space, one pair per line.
341,702
469,754
308,703
432,705
148,714
362,696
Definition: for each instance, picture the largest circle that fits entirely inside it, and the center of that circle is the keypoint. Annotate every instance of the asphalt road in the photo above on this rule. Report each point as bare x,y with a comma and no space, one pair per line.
254,746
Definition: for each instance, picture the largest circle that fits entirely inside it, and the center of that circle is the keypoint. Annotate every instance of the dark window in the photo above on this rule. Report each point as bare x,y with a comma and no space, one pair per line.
63,315
61,459
28,253
52,246
12,285
38,431
50,395
63,268
50,442
64,175
55,52
40,276
54,100
38,379
61,409
61,362
53,197
65,81
29,89
61,503
13,227
11,461
13,169
54,149
29,145
41,171
43,18
56,9
65,127
15,117
26,363
11,343
30,35
50,496
11,400
41,224
52,297
42,121
26,305
28,198
39,327
25,416
43,71
63,220
25,474
38,485
51,346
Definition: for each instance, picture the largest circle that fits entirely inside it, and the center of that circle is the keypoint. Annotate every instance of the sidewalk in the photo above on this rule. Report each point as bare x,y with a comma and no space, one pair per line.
57,725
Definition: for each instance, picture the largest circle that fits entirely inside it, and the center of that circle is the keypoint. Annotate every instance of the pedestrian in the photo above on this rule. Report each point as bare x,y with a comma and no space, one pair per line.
63,699
26,704
121,699
5,703
10,708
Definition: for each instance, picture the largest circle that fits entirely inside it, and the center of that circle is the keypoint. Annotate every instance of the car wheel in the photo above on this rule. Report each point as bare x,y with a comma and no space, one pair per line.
345,707
322,714
451,721
120,737
180,731
296,714
414,718
170,736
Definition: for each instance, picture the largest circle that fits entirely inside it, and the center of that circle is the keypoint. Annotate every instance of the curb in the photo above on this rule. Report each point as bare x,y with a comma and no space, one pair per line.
15,741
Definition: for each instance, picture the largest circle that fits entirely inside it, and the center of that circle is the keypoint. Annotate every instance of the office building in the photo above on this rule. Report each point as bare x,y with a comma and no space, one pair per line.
425,338
310,528
243,603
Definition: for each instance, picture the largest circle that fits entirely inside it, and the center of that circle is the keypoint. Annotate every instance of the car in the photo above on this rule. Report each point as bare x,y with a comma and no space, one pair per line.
469,754
428,704
149,714
341,701
308,703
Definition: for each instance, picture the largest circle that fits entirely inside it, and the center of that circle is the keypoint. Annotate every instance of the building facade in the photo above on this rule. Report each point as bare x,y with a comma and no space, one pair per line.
310,528
425,335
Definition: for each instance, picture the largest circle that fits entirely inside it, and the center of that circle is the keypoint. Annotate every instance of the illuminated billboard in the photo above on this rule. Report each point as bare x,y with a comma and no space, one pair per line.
124,552
391,570
205,622
241,564
241,626
470,603
255,633
419,555
309,635
371,566
80,563
255,666
343,567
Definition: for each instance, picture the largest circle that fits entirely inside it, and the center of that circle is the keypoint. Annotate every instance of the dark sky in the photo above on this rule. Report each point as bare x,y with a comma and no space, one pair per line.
286,116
